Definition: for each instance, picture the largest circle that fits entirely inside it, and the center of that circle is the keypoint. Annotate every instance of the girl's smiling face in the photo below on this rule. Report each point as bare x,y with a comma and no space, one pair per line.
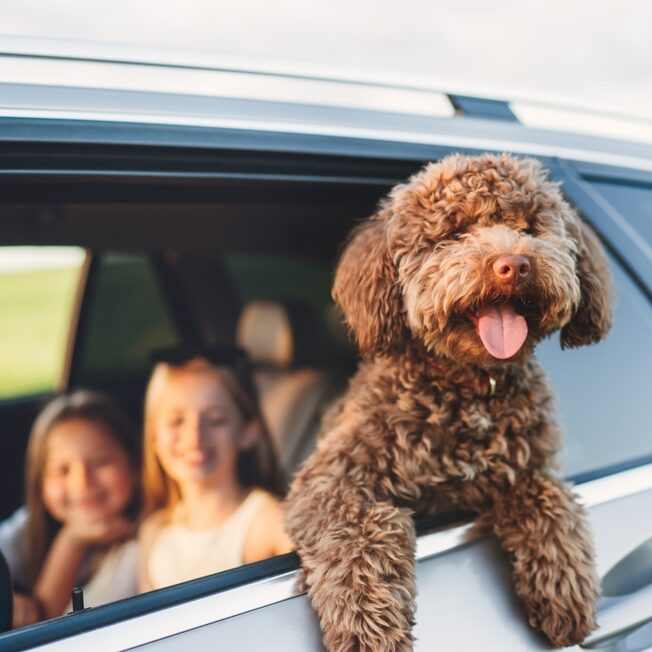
87,473
199,429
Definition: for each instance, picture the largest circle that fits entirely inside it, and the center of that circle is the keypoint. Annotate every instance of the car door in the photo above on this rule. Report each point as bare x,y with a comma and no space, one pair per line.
466,600
461,579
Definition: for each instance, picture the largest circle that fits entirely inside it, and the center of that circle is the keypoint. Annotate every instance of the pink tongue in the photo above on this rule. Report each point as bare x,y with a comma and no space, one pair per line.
501,329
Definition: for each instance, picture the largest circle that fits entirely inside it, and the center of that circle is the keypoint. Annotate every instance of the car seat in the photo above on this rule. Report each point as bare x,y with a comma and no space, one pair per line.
298,372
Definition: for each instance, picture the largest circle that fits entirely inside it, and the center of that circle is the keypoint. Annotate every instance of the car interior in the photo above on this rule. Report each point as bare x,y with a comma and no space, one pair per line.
179,247
251,267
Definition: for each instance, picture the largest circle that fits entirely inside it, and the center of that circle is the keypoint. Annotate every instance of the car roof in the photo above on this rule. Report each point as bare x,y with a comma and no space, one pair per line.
70,80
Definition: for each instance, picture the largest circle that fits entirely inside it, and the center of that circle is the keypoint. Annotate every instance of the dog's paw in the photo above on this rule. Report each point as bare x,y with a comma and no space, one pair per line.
565,629
359,641
566,618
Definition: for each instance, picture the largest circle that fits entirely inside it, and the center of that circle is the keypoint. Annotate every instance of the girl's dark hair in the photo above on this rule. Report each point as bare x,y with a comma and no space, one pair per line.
80,404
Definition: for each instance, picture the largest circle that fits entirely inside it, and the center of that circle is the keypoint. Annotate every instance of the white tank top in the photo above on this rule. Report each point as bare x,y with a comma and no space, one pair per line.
115,578
179,554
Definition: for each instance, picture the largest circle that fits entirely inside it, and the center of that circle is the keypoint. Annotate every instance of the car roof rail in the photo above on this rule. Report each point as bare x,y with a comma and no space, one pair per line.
479,107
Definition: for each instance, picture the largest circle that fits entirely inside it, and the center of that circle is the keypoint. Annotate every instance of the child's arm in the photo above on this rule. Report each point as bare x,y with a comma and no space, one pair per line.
65,556
59,572
267,536
26,610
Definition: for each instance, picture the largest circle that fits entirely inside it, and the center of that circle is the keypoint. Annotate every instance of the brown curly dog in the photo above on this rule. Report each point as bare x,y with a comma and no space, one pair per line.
448,288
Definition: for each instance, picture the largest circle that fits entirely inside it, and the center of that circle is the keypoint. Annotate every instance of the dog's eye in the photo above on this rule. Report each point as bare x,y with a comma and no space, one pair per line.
530,230
456,235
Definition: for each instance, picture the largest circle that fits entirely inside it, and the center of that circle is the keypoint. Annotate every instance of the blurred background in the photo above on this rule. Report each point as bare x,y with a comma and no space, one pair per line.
578,52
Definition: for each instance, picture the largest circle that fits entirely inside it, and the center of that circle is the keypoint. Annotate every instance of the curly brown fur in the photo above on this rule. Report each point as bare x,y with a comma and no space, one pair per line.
420,429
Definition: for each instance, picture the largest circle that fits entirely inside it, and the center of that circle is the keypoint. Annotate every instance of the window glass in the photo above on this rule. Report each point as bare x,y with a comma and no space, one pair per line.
634,202
604,390
38,286
127,318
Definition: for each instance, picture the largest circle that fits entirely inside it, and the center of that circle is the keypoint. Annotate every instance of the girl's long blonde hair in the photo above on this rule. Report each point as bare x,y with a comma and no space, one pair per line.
95,407
257,466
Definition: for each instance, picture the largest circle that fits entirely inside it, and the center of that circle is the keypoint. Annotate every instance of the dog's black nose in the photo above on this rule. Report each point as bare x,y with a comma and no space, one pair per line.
510,268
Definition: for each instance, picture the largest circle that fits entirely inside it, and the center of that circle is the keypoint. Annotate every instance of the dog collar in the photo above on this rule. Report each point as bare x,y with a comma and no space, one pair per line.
441,367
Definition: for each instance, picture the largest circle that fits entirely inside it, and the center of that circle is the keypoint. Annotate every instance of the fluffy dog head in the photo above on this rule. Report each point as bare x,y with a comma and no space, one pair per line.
477,258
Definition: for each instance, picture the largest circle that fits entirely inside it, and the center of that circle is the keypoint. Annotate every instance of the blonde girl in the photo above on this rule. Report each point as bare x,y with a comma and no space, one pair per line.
81,499
210,480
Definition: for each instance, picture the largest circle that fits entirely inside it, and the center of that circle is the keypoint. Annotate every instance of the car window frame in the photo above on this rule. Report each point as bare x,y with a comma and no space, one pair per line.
613,228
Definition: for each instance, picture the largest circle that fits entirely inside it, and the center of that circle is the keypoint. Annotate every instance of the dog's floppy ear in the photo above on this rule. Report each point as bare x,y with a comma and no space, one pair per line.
592,320
366,288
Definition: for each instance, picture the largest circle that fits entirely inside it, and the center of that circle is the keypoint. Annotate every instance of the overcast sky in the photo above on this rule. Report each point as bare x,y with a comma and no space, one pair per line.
591,52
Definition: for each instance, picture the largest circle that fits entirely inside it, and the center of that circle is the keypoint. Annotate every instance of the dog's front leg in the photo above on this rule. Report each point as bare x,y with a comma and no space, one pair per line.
539,523
358,561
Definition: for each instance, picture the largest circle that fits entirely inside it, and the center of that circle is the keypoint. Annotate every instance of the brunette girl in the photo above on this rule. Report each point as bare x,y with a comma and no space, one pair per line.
81,499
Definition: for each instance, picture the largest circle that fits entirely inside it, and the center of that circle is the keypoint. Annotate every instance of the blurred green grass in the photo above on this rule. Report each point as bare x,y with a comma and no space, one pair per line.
35,312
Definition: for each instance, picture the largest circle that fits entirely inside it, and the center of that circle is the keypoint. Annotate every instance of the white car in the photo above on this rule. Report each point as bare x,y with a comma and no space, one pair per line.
192,193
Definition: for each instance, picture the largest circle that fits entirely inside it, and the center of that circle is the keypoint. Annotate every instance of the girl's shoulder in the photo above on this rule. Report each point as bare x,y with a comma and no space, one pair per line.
263,504
263,497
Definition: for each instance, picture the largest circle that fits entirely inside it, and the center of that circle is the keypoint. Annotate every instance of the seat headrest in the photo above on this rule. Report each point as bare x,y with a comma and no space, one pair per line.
293,333
265,332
